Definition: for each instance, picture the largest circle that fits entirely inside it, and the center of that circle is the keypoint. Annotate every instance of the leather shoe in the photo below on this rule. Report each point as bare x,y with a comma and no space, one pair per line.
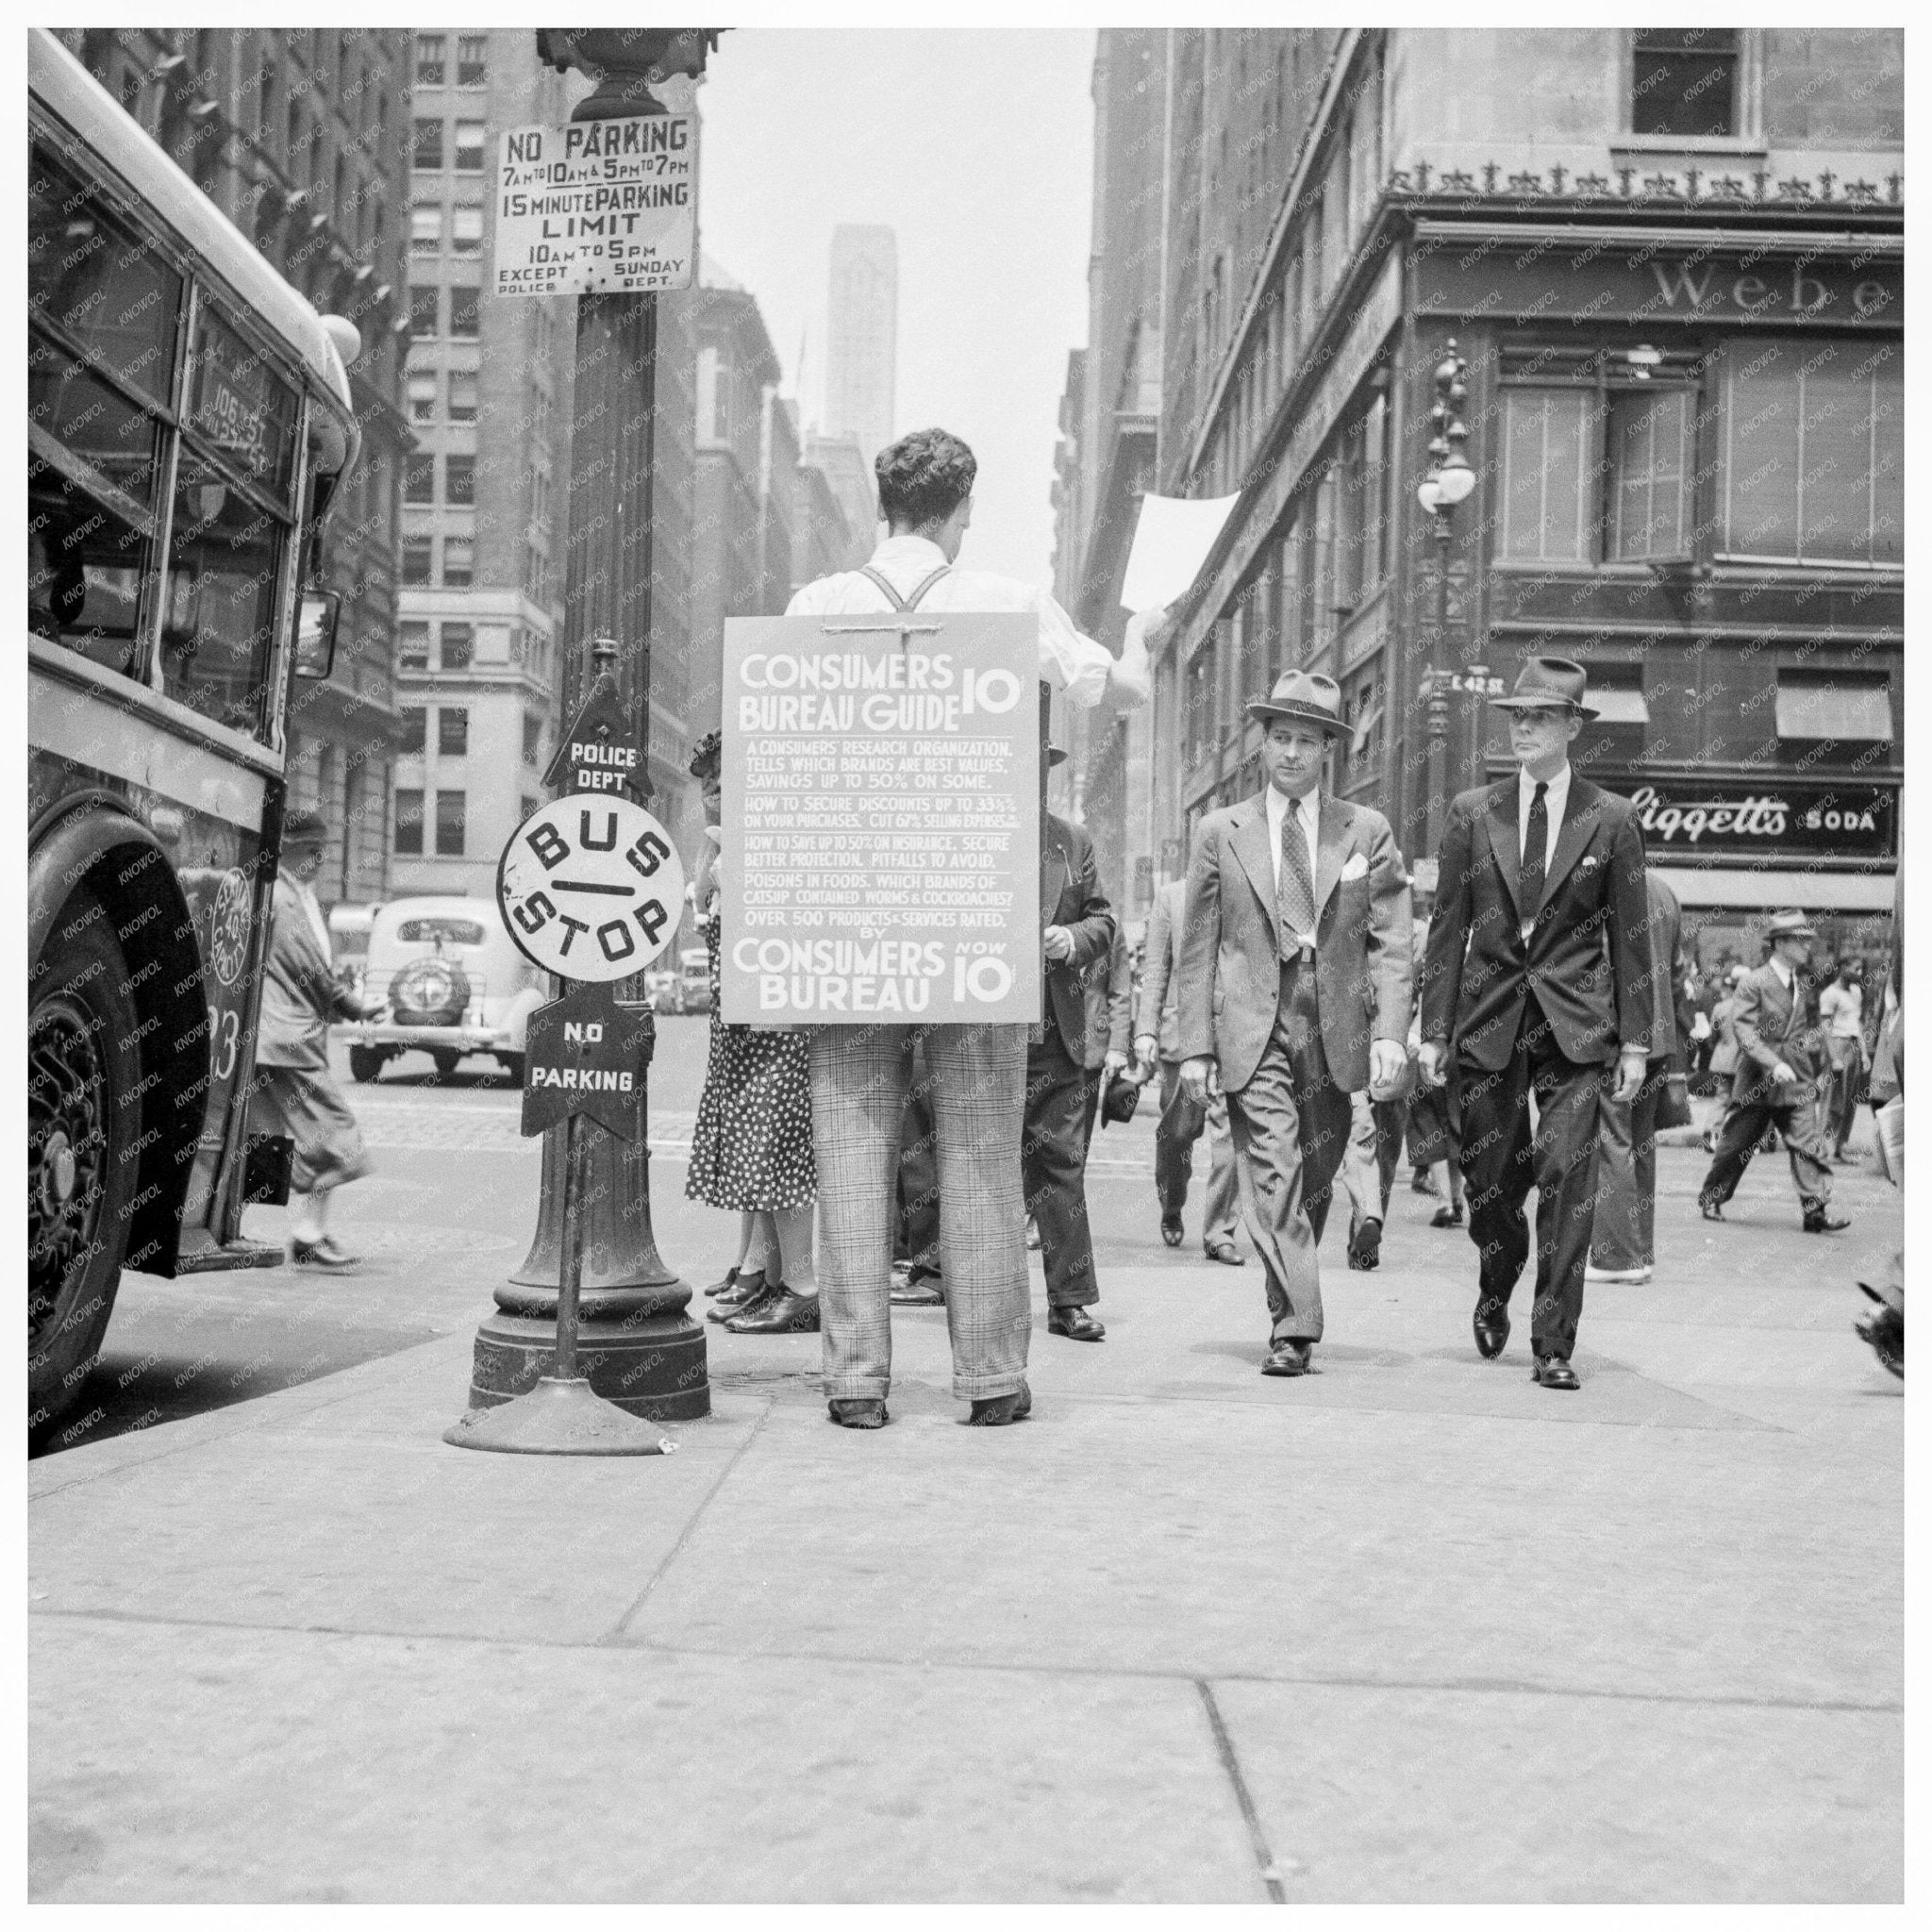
729,1281
919,1291
1712,1210
1491,1324
1227,1253
1288,1359
858,1412
740,1299
323,1254
1172,1232
782,1312
1553,1372
996,1412
1076,1325
1365,1246
1423,1182
1822,1221
1446,1217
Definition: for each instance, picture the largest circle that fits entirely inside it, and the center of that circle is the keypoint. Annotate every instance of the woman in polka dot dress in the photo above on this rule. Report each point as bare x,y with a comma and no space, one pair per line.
751,1149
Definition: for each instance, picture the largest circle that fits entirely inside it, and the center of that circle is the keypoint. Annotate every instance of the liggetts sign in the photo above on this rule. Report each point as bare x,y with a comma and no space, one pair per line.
1825,821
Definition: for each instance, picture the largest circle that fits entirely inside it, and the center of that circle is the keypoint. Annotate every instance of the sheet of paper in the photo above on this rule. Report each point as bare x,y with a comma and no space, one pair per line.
1170,542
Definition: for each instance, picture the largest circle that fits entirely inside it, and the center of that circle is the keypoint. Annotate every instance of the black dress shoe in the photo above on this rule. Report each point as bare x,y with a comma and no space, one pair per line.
996,1412
781,1312
1172,1232
1553,1372
1712,1210
729,1281
1822,1221
1076,1325
1365,1246
1288,1359
741,1301
1446,1217
1491,1324
858,1412
1227,1253
919,1291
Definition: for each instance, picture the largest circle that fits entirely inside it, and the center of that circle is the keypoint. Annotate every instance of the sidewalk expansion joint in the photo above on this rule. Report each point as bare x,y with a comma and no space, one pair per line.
615,1634
1471,1686
1231,1764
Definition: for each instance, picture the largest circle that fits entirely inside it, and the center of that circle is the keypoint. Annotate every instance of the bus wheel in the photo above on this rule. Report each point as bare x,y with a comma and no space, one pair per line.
364,1063
83,1131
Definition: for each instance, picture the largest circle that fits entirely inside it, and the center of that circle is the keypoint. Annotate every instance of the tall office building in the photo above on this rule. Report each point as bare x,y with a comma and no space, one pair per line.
862,337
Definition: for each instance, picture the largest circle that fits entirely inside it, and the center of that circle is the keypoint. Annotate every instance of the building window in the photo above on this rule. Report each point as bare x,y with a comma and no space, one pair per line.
428,150
466,230
465,314
413,643
1616,733
533,737
1198,722
413,739
1362,711
1545,454
1648,474
426,230
458,640
1844,707
432,50
453,731
459,480
419,480
1684,81
425,312
415,559
423,395
536,575
472,69
463,396
458,554
449,824
469,147
409,823
1812,461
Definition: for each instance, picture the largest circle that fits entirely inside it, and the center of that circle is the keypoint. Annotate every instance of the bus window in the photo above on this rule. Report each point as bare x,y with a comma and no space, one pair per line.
241,409
224,577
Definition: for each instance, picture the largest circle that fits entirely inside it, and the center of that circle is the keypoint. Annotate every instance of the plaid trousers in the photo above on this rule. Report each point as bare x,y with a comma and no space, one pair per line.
860,1076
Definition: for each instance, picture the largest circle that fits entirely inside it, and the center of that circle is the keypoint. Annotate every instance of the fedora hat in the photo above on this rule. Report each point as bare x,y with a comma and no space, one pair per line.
1545,681
1788,926
1306,697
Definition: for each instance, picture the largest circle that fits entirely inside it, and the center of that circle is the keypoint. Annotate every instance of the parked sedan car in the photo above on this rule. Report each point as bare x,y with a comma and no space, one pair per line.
453,983
694,980
663,991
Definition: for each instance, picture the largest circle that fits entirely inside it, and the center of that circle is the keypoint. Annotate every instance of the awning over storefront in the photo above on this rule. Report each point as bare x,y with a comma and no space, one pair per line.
1619,705
1752,890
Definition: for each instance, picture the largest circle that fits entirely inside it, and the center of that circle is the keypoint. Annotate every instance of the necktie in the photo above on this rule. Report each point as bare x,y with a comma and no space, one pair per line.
1296,890
1536,840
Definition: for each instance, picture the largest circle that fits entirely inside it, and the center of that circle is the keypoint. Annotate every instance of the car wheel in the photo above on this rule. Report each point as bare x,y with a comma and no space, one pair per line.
446,1063
83,1124
365,1062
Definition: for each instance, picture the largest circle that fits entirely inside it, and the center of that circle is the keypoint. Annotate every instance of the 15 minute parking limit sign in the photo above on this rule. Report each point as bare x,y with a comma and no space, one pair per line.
597,207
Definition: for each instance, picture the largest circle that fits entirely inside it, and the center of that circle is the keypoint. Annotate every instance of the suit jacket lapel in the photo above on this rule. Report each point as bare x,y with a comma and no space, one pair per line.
1249,844
1503,840
1331,848
1580,815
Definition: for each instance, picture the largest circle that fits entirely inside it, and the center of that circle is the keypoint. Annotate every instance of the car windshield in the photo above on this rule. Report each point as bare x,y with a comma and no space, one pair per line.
455,932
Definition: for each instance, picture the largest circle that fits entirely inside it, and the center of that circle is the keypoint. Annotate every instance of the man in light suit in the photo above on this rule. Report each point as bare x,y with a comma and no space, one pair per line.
1780,1056
1537,980
1181,1120
1295,990
1065,1055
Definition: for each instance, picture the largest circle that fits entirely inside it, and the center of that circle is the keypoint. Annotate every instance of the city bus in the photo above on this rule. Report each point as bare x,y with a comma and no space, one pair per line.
189,422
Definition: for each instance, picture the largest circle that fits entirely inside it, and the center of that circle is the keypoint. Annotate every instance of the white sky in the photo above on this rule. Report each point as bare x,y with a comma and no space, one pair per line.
977,148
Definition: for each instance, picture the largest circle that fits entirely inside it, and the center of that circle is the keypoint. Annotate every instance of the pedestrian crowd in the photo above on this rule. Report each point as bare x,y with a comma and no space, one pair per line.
1511,1013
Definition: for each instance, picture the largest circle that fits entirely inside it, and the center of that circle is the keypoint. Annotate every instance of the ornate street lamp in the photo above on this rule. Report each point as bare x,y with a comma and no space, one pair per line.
1449,482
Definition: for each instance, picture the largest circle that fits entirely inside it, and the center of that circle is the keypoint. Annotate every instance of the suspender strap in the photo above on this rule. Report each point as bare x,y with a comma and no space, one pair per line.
899,603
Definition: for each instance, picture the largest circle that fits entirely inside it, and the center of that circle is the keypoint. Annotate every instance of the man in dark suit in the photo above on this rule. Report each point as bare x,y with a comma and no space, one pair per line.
1295,990
1181,1120
1065,1056
1779,1057
1538,965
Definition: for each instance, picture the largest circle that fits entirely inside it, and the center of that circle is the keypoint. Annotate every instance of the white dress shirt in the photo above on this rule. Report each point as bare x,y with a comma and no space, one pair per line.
1308,812
1068,661
1782,968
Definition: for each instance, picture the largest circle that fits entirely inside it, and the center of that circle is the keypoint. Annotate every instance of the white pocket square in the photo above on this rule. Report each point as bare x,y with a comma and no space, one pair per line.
1356,866
1589,862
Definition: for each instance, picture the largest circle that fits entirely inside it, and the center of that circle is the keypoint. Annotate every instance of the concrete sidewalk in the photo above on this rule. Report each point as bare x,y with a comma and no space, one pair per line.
1411,1628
